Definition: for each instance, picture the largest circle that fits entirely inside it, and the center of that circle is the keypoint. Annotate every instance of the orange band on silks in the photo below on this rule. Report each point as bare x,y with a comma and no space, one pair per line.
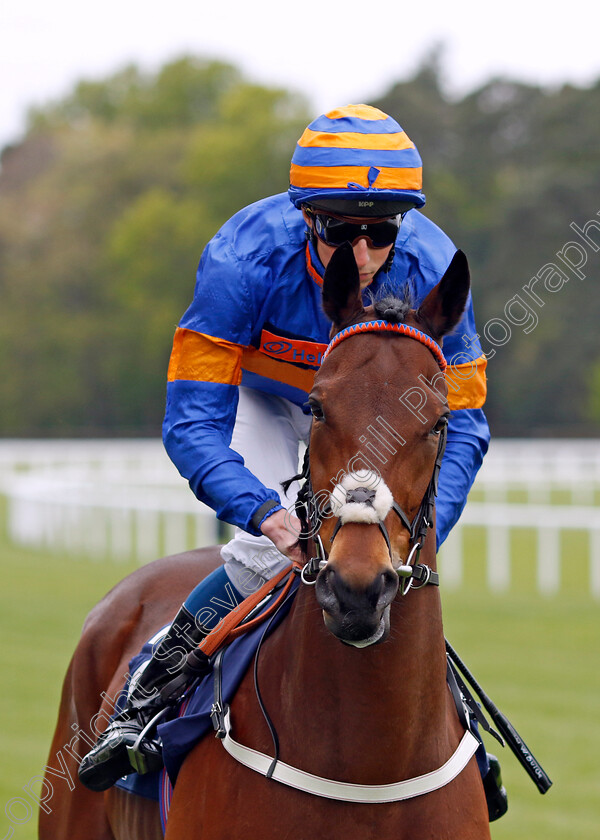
290,374
295,350
231,627
467,385
354,140
331,177
205,358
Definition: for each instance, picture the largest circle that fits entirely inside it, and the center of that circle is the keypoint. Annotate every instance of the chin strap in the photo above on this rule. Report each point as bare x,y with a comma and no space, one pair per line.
311,237
386,267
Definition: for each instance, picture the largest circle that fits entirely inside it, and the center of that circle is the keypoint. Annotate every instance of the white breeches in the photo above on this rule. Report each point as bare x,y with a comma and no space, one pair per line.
268,433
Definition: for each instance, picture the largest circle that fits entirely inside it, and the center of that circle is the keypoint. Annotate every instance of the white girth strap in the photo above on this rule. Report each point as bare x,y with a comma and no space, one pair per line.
342,790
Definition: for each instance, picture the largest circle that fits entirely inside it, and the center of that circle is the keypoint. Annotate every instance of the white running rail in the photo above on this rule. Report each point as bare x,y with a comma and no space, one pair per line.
124,498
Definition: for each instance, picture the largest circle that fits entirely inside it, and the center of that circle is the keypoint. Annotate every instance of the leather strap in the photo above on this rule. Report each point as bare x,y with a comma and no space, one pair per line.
231,625
342,791
425,575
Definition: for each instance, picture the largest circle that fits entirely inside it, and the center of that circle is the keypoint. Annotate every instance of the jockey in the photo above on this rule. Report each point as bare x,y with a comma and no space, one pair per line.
244,358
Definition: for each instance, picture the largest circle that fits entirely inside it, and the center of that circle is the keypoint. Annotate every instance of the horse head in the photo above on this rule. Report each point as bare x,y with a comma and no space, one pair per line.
379,404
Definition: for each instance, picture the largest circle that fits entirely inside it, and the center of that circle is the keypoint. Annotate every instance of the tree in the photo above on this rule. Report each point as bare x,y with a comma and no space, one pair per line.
105,208
107,203
507,168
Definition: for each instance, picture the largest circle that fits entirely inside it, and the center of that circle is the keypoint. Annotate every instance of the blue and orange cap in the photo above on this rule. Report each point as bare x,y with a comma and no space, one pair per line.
360,155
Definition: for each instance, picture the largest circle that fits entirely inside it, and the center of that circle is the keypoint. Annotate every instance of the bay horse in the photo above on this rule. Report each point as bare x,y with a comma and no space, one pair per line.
354,679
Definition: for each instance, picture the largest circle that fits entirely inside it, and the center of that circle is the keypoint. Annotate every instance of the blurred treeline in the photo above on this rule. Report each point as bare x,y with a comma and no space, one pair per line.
108,200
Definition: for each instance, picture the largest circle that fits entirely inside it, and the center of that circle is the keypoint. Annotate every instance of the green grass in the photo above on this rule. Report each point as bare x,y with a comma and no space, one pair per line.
537,658
44,599
538,661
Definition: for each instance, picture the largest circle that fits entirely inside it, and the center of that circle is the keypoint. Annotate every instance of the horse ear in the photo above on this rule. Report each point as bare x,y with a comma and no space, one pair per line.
442,308
342,300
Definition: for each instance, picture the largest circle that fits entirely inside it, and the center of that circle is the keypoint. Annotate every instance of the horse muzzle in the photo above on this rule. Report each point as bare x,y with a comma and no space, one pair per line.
357,615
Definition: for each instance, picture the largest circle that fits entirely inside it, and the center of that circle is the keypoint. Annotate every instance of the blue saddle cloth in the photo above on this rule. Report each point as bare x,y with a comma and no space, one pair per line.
191,721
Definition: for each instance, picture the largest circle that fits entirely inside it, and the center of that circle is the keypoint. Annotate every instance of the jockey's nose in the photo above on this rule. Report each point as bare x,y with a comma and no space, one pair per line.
361,251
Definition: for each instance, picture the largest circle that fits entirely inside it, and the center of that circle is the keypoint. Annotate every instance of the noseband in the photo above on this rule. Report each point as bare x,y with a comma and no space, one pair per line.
312,517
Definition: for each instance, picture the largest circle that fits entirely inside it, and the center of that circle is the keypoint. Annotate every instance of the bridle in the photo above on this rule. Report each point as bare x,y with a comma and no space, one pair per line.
387,326
312,516
466,705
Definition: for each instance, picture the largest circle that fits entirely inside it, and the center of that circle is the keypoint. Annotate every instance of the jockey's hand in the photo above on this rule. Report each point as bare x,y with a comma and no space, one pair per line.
283,529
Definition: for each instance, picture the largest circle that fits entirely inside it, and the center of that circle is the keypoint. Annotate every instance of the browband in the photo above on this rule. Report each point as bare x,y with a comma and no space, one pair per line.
386,326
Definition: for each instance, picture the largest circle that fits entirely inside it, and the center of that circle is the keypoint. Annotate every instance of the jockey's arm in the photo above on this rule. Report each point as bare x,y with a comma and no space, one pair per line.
468,438
468,430
202,393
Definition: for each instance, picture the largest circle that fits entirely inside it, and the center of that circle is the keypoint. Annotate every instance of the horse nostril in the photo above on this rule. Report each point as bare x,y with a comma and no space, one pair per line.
335,593
389,587
326,597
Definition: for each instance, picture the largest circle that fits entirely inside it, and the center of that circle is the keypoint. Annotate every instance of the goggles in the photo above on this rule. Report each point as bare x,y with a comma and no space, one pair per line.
335,232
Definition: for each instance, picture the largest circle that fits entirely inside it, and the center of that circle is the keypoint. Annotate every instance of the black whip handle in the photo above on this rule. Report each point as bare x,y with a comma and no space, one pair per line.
505,727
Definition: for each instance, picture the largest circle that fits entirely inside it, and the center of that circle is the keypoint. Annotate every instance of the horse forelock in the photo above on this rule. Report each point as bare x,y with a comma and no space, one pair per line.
390,308
383,305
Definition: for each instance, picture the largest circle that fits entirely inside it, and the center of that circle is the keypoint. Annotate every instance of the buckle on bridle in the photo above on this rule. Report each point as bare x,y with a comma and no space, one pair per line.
315,564
406,571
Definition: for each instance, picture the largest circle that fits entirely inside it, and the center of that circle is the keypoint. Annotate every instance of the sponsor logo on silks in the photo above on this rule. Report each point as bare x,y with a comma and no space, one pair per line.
276,348
295,350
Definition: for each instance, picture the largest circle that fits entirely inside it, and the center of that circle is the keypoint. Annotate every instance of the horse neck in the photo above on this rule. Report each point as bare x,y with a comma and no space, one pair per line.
399,685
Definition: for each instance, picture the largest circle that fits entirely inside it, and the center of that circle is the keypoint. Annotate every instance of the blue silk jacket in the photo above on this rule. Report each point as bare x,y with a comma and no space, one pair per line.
256,320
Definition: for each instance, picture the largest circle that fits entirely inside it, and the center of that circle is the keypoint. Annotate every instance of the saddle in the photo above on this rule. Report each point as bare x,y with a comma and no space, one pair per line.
190,720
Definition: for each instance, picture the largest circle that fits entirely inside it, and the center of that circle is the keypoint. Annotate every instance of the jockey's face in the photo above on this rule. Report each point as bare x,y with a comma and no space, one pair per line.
368,259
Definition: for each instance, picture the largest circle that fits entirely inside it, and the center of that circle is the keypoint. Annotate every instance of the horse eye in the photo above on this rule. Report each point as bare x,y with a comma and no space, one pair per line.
440,424
316,409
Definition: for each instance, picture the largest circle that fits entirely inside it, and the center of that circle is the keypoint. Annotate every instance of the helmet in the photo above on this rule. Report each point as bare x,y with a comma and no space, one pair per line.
356,161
